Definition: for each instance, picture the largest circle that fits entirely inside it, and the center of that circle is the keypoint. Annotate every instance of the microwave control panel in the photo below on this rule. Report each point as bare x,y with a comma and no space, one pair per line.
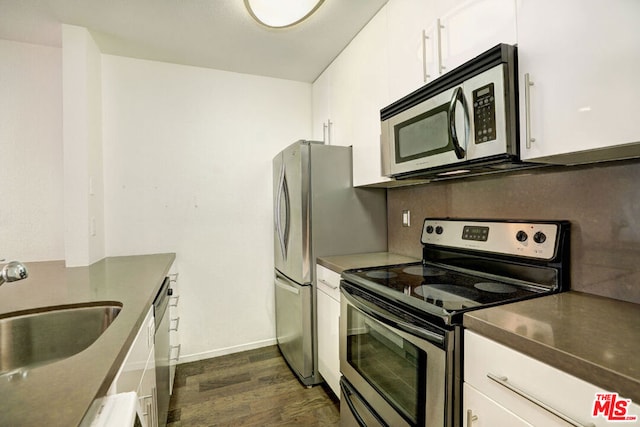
484,114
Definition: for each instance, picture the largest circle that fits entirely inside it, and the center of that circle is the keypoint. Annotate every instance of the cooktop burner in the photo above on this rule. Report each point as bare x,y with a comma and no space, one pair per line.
420,270
499,288
379,274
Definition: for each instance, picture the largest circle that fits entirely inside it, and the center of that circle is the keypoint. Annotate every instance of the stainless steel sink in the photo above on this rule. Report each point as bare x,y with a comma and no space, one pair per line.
32,339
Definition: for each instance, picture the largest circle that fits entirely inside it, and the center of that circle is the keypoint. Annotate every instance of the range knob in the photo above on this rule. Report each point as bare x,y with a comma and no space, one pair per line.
539,237
439,229
429,229
521,236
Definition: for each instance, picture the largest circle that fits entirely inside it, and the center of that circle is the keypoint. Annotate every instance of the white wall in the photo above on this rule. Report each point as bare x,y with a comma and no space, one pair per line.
187,163
31,165
82,133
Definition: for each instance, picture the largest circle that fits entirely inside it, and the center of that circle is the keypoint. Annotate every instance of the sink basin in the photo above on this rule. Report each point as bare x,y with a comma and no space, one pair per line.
32,339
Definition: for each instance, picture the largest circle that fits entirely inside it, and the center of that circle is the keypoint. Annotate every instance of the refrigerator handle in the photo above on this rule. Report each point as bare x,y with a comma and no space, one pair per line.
277,211
283,191
287,226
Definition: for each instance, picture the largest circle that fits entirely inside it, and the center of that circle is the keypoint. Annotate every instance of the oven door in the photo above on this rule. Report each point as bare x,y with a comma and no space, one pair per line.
398,370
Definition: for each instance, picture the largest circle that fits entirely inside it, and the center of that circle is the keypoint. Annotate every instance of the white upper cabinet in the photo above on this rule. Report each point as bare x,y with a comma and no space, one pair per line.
406,50
462,31
348,96
473,27
321,108
578,77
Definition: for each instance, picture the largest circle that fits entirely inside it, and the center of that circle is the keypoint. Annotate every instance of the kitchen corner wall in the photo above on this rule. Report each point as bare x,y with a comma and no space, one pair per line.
601,201
84,232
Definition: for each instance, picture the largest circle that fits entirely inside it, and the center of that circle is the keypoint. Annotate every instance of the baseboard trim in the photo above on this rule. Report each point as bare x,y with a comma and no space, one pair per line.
224,351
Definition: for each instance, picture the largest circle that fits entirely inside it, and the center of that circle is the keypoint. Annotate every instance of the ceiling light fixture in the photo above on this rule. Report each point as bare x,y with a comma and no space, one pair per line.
281,13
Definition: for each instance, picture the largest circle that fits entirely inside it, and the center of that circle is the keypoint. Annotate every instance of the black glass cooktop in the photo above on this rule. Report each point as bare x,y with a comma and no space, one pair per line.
440,290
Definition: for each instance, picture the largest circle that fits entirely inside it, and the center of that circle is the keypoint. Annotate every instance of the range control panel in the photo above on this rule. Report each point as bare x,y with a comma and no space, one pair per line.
533,240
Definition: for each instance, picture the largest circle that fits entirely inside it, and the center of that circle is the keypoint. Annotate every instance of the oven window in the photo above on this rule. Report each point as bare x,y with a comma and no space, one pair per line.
423,135
392,365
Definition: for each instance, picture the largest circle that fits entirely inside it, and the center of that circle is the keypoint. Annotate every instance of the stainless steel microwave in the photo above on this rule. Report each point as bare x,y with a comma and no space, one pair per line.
465,122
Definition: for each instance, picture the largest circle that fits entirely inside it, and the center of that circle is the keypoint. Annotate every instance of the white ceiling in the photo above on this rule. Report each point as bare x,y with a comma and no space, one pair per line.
216,34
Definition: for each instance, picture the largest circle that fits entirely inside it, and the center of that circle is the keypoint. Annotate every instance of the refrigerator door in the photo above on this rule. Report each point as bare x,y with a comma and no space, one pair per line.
291,213
293,325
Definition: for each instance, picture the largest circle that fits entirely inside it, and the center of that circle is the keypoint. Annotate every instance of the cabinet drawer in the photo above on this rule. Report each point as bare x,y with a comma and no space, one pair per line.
525,386
480,411
328,281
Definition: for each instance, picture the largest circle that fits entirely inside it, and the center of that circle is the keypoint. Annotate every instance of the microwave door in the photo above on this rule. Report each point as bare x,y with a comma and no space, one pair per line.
420,137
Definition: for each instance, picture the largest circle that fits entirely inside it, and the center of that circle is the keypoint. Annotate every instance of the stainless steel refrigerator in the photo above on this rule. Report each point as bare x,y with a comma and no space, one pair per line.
317,212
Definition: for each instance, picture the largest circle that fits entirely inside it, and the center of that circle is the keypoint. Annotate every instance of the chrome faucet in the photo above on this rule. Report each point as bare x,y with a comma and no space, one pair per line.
12,272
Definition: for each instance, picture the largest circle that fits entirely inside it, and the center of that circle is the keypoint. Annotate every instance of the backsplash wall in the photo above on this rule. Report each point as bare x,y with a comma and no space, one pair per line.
602,202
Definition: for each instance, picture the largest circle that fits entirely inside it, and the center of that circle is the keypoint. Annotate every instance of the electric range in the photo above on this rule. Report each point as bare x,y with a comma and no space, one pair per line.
412,313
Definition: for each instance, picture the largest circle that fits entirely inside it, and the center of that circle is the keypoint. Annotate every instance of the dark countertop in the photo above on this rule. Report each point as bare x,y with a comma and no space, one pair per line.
339,263
60,393
593,338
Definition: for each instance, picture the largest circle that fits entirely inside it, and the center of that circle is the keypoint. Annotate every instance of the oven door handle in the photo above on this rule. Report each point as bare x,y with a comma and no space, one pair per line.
392,320
347,392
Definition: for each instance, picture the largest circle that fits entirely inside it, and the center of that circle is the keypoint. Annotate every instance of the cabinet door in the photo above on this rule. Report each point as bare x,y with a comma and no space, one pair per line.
147,392
369,58
480,411
406,23
320,107
582,60
132,370
328,285
328,342
474,27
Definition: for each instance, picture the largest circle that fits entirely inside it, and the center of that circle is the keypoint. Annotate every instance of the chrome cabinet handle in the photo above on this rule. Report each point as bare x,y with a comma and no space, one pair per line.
329,284
440,66
503,381
154,407
324,132
329,123
527,110
471,418
177,320
425,37
179,347
176,299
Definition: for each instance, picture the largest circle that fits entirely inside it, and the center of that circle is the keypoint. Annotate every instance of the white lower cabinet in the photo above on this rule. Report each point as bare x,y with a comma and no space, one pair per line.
138,371
503,387
328,287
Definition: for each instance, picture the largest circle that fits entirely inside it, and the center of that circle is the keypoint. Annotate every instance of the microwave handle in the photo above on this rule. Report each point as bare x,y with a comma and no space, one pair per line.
458,96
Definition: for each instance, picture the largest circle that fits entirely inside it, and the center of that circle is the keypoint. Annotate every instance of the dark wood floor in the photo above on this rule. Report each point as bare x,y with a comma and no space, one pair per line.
253,388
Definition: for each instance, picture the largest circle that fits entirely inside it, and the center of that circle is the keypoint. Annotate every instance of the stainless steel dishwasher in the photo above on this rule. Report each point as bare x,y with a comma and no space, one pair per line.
161,314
